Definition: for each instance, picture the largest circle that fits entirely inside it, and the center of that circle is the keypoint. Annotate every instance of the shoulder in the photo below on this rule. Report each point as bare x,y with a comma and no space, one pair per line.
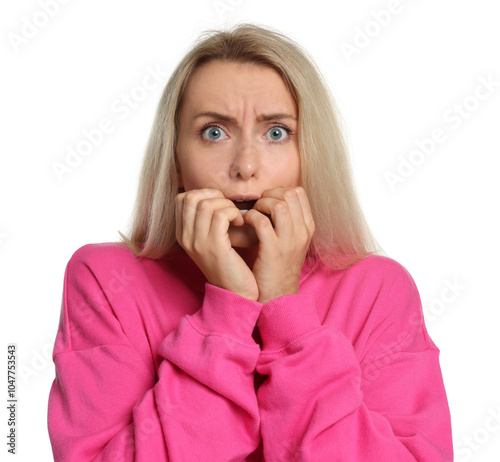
102,258
113,263
95,254
110,269
379,273
380,266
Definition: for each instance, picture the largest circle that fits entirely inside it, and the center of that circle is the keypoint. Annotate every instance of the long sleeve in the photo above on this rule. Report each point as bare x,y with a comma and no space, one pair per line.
108,404
377,396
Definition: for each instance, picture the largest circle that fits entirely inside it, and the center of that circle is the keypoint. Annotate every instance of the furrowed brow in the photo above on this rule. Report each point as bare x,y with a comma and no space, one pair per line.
230,119
280,115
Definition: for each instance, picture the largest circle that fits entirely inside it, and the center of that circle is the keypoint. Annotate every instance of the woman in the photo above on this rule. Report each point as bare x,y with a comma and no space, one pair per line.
248,315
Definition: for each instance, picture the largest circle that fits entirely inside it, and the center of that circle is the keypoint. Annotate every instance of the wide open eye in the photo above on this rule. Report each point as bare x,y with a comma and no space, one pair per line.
214,133
277,134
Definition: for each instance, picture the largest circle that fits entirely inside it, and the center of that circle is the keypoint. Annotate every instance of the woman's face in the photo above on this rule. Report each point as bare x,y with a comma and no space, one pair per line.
237,134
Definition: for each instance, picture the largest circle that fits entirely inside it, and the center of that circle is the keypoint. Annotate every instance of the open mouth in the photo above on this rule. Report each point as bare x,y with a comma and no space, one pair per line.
244,206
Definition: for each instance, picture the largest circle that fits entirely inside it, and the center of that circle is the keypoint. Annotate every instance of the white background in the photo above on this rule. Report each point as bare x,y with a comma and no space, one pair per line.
405,80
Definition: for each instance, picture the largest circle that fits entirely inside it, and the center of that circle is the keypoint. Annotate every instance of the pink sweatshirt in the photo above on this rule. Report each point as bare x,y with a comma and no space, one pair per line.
154,364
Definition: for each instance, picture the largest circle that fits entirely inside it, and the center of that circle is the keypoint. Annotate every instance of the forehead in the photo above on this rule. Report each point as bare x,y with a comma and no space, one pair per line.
234,87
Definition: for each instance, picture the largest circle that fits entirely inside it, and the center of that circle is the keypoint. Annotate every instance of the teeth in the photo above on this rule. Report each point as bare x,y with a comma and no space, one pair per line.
243,212
239,201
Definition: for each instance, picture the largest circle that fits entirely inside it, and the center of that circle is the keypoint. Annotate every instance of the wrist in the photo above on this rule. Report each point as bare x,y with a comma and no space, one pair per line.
250,293
273,292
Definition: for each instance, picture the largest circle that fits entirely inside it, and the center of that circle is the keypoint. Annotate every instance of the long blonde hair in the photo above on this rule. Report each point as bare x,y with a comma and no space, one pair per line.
342,235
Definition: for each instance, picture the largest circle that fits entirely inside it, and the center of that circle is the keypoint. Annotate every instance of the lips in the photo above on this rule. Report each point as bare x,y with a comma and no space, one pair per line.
244,204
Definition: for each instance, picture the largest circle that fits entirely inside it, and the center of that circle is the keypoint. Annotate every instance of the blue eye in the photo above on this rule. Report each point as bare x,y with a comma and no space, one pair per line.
277,134
214,133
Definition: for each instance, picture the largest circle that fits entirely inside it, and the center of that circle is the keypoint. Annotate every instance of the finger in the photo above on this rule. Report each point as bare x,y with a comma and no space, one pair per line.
290,195
188,207
280,215
262,225
277,193
222,218
205,214
296,211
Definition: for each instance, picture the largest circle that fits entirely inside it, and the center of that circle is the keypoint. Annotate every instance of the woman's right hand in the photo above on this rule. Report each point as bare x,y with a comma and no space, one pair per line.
202,219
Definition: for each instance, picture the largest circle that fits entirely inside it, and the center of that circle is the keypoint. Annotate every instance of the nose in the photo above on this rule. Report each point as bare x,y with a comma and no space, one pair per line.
245,161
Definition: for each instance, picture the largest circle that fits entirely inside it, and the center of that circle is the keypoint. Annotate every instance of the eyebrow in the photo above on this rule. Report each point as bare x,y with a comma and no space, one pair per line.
261,118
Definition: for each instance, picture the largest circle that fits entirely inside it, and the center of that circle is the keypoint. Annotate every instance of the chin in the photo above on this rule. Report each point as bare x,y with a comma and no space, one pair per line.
242,236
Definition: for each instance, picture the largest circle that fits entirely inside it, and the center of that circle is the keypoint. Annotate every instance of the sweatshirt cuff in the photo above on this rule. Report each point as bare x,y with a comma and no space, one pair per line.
286,318
227,313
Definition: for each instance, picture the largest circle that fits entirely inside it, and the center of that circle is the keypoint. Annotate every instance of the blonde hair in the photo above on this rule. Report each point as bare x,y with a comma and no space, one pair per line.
342,235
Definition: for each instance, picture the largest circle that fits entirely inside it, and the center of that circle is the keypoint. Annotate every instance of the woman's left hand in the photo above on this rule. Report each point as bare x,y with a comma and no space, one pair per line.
282,248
